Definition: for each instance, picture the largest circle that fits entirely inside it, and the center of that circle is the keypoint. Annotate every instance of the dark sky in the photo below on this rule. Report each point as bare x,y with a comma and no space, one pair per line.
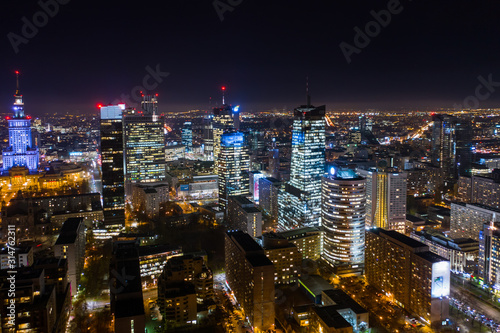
91,52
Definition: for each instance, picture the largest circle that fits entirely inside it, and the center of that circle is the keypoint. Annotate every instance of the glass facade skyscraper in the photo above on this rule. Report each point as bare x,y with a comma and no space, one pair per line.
343,218
187,136
113,190
21,151
221,122
233,166
300,202
144,141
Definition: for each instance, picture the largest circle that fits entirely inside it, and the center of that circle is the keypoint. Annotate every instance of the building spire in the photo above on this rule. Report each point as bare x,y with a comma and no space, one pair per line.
17,83
223,90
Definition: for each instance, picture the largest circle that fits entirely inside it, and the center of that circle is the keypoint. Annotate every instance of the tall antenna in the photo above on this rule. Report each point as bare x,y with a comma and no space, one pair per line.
17,82
223,90
307,92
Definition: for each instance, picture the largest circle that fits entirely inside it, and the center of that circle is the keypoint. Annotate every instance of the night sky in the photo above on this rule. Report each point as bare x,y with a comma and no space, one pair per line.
91,52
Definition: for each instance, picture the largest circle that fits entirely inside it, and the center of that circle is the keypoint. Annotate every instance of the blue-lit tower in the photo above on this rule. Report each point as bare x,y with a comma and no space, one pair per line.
233,165
300,201
20,151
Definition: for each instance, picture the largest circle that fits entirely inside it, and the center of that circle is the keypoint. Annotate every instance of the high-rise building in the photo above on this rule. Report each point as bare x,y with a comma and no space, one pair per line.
385,199
21,150
221,122
489,254
233,166
467,220
463,148
208,135
300,202
113,185
250,275
443,141
144,145
187,136
343,220
408,273
268,196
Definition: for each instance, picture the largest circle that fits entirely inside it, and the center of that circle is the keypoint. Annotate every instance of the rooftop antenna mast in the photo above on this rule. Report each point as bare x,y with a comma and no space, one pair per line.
17,82
223,90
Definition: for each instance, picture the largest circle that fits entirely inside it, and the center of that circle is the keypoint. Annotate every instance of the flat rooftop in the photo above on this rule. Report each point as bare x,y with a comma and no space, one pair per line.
331,317
397,237
69,231
245,241
431,257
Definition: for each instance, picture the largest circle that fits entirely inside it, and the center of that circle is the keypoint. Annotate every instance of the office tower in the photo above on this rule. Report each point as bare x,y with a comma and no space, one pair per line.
221,123
343,220
144,145
489,255
113,184
308,240
187,136
268,196
208,136
467,220
300,202
385,199
243,215
21,151
409,274
443,142
250,275
70,245
232,165
463,148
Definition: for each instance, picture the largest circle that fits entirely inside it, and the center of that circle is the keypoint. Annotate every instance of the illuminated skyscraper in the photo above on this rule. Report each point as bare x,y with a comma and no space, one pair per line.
233,165
187,136
385,199
21,151
144,142
300,202
343,219
443,143
113,190
221,122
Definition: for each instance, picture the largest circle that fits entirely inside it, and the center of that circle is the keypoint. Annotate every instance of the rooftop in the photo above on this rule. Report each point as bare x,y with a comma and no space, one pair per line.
68,233
298,232
245,241
331,317
431,257
344,301
398,237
